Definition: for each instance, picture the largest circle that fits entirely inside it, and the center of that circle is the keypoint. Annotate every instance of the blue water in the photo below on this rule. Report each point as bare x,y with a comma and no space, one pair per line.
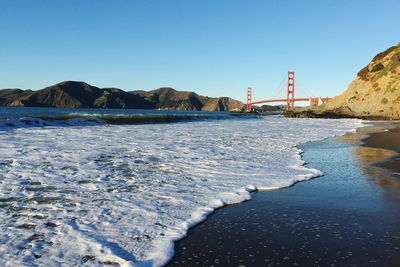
36,112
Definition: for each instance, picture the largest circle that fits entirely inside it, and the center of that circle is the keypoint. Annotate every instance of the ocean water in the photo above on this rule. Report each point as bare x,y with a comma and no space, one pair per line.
20,112
24,117
92,193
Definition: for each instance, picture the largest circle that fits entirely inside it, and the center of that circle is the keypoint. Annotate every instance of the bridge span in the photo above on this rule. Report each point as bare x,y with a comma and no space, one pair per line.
290,98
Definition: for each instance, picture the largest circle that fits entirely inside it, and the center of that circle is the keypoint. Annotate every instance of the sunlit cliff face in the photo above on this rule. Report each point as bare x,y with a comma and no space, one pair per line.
376,90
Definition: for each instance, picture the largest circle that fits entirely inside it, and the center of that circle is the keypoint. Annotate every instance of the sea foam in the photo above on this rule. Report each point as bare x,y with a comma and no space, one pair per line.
124,193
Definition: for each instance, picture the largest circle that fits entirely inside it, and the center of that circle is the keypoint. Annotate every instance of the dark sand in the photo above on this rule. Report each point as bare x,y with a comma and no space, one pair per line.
349,217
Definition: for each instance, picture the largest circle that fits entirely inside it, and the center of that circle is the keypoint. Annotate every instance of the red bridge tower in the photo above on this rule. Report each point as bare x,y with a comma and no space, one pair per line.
249,99
290,91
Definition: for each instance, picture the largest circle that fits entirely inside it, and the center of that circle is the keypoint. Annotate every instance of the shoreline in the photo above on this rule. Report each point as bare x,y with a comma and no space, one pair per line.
201,215
363,138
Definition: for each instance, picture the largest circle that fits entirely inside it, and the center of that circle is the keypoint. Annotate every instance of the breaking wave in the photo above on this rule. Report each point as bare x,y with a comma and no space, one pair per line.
76,119
123,194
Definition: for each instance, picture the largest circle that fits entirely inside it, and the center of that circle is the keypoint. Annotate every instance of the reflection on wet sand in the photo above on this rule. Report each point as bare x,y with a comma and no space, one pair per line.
369,158
378,154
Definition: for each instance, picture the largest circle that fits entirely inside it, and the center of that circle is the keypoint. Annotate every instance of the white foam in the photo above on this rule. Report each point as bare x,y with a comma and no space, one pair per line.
124,193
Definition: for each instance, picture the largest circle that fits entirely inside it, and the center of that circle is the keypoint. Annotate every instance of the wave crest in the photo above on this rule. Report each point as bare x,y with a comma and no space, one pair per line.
75,119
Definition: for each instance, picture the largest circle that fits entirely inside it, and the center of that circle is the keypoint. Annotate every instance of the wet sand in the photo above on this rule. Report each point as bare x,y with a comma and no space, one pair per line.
387,140
348,217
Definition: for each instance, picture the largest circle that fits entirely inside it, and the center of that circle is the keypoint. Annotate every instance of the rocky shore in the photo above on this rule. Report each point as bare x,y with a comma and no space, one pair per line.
331,114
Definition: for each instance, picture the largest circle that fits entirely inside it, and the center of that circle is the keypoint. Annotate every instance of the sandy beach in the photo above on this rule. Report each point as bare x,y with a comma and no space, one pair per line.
348,217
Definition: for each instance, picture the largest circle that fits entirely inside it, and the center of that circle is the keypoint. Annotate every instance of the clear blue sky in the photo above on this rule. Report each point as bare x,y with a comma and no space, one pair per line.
212,47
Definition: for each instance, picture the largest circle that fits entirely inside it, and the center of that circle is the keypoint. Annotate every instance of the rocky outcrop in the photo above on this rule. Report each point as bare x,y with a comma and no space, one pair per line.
72,94
374,94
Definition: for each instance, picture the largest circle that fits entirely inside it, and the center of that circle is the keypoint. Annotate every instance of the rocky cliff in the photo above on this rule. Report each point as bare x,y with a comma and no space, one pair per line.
375,93
72,94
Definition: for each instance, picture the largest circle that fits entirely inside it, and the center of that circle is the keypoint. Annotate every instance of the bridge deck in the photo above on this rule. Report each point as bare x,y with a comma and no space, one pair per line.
277,100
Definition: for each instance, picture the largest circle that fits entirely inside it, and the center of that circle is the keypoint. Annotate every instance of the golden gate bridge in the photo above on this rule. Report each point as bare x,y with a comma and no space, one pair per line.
290,98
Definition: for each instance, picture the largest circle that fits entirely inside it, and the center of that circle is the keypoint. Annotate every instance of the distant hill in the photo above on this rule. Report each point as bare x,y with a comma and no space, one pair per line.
11,97
223,103
375,93
73,94
169,98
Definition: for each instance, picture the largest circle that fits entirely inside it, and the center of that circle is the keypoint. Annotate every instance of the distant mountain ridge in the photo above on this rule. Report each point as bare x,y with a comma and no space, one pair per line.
74,94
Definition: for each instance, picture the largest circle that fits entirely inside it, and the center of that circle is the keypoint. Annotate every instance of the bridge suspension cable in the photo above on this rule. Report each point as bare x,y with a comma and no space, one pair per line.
290,96
278,91
308,93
